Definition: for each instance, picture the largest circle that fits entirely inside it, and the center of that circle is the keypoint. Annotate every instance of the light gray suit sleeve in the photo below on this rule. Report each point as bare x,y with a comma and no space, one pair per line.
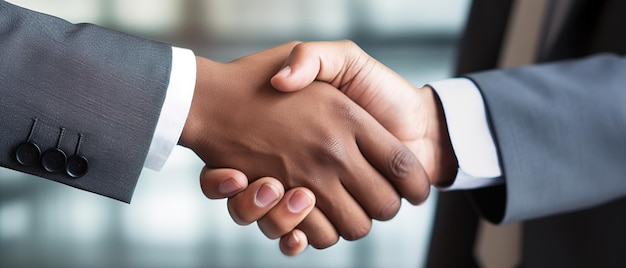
560,131
102,89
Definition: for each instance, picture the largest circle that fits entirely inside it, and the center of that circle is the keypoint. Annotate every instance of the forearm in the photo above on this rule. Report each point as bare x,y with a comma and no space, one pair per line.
101,84
559,131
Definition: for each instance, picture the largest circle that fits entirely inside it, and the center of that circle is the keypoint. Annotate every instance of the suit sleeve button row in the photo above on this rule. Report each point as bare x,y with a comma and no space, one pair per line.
53,160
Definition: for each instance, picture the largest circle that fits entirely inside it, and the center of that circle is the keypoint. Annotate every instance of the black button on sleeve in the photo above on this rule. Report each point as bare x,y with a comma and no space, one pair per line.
54,160
77,166
27,154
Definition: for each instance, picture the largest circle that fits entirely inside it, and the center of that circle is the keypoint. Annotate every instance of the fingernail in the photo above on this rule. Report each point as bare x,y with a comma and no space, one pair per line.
229,186
298,202
266,195
293,240
285,71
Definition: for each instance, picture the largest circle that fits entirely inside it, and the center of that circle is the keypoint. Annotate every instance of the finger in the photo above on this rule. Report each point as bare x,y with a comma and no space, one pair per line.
222,182
288,213
394,161
255,201
293,243
339,206
324,61
376,195
318,229
301,68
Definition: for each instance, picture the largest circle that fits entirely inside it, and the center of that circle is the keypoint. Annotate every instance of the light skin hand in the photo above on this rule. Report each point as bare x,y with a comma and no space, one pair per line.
316,138
414,115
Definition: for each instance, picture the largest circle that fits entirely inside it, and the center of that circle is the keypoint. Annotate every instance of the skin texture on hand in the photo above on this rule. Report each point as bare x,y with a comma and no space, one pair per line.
231,183
414,115
315,138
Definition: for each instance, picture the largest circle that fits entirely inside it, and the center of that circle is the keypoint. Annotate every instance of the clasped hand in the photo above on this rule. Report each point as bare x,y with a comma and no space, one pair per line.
318,139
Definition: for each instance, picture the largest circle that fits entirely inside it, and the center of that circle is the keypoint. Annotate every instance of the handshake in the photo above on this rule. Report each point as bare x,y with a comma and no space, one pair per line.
343,142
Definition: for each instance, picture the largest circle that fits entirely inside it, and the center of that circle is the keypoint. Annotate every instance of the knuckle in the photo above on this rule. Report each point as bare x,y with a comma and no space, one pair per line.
294,43
359,231
348,43
323,242
272,227
237,216
417,191
303,48
422,195
388,211
347,112
402,163
418,197
353,48
333,151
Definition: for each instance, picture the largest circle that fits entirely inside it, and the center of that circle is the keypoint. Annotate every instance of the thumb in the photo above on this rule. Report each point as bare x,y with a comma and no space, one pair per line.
323,61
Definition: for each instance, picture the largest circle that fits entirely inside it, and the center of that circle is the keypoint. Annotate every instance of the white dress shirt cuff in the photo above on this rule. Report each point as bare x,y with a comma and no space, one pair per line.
175,108
469,132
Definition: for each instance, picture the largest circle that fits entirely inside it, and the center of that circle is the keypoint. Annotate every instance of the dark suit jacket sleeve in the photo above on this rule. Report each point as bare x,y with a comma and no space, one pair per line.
560,131
104,85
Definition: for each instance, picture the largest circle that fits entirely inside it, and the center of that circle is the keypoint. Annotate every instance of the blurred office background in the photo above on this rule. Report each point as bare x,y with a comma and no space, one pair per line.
170,223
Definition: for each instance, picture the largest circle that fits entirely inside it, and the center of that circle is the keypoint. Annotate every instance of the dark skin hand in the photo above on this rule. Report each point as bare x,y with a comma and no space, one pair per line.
315,138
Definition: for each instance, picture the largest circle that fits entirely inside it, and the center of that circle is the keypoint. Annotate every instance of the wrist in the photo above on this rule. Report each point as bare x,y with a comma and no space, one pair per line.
445,160
194,125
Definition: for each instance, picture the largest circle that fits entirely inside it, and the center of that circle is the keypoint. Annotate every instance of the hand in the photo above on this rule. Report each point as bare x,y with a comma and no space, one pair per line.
316,138
244,207
414,115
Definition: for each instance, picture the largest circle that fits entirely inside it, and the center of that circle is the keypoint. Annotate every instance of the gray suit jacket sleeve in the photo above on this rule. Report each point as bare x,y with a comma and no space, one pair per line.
103,90
560,132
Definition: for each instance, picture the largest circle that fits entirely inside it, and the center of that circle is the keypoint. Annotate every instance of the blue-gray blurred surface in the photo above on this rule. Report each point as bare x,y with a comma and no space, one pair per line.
170,223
